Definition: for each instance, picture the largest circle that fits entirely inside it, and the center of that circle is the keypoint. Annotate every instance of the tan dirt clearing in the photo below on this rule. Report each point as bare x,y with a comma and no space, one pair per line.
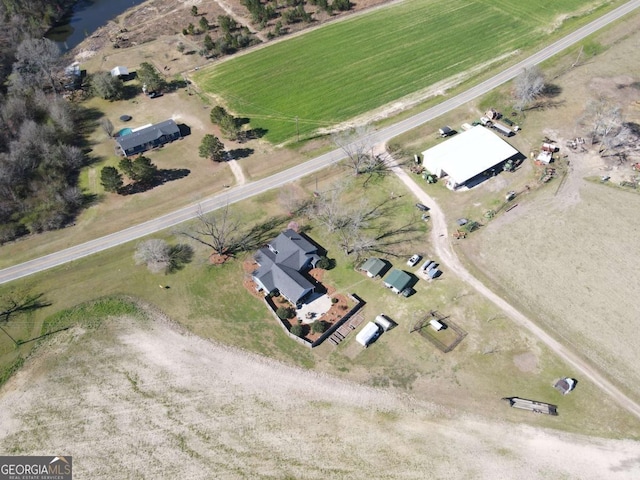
160,403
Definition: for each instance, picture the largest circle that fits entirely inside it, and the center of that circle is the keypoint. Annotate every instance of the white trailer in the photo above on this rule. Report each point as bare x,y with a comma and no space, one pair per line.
368,334
436,325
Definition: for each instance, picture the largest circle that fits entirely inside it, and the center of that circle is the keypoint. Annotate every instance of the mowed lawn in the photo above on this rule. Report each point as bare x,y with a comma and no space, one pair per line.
347,68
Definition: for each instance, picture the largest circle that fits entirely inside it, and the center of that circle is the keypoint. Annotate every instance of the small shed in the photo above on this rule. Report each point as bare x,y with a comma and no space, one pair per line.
436,325
565,385
397,280
374,267
434,272
368,334
119,72
384,322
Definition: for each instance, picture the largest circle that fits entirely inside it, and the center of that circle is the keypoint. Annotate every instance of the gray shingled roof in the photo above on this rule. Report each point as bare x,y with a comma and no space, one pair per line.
374,266
280,264
148,135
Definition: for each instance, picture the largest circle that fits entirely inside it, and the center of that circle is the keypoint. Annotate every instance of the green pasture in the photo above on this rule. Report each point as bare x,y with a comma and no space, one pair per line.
347,68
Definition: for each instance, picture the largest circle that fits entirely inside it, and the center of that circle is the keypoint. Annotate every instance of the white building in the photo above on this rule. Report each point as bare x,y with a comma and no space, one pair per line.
467,155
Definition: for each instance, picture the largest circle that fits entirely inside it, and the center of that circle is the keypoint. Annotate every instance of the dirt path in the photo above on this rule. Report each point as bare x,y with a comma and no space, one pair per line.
444,250
237,172
241,19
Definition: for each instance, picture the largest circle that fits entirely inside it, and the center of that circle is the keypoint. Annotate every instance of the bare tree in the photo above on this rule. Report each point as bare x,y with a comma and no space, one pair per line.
159,256
154,253
107,126
529,85
357,143
36,59
291,199
606,126
218,230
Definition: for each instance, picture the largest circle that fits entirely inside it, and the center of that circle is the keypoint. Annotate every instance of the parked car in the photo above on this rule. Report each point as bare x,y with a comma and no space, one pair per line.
413,261
422,207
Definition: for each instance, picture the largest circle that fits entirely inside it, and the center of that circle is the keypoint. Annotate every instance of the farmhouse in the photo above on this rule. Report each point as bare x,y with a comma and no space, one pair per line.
467,155
397,280
374,267
282,264
149,137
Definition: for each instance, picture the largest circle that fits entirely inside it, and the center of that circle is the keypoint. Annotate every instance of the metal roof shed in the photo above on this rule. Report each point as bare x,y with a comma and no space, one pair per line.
374,267
397,280
119,71
467,155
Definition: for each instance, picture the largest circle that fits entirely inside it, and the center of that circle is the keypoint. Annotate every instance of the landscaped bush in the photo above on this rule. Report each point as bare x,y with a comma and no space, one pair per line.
326,263
297,330
284,313
318,327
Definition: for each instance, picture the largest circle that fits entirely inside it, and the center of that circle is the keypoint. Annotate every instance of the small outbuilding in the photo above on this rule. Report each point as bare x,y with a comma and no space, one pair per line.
384,322
368,334
120,72
374,267
565,385
397,280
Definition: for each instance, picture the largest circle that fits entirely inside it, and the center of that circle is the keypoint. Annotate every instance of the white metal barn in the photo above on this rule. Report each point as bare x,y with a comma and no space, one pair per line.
368,334
467,155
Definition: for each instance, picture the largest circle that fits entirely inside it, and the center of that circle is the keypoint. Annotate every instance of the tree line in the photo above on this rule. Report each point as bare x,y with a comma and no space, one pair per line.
40,141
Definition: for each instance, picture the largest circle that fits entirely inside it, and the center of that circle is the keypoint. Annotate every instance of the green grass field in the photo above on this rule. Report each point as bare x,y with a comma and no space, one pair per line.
351,67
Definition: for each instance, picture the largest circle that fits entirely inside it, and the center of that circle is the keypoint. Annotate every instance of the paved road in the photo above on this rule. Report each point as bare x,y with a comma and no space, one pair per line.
441,241
242,192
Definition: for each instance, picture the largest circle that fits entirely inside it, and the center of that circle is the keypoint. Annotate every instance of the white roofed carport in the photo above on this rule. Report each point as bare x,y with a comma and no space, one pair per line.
467,154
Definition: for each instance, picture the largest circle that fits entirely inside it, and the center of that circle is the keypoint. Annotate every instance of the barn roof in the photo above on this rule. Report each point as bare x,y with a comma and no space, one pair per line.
467,154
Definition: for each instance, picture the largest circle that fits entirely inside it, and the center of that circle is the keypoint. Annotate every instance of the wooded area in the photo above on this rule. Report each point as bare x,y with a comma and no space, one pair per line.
40,138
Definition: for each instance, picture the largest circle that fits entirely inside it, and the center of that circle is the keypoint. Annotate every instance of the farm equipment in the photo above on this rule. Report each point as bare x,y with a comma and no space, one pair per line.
547,175
509,166
458,234
429,177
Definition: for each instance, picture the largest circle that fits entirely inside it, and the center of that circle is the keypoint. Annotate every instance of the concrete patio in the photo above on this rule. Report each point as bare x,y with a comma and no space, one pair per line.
317,305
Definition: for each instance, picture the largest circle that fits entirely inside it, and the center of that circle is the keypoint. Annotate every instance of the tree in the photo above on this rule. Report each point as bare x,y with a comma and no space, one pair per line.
107,126
357,143
154,253
36,60
529,85
141,170
191,29
180,47
217,114
204,24
194,11
212,148
297,330
318,326
606,126
209,44
106,86
341,5
219,230
150,77
284,313
111,179
227,24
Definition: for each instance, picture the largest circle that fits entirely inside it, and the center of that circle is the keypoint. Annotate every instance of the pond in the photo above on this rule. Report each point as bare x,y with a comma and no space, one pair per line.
84,18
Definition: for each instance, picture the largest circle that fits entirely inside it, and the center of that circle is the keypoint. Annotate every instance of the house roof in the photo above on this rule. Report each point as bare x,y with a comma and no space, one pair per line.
467,154
148,134
374,266
398,279
280,264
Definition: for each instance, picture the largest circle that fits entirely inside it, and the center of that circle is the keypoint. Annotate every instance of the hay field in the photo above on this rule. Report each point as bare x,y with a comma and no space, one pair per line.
354,66
142,399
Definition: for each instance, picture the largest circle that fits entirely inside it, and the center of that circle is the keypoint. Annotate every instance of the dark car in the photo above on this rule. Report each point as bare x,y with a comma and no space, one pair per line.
422,207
